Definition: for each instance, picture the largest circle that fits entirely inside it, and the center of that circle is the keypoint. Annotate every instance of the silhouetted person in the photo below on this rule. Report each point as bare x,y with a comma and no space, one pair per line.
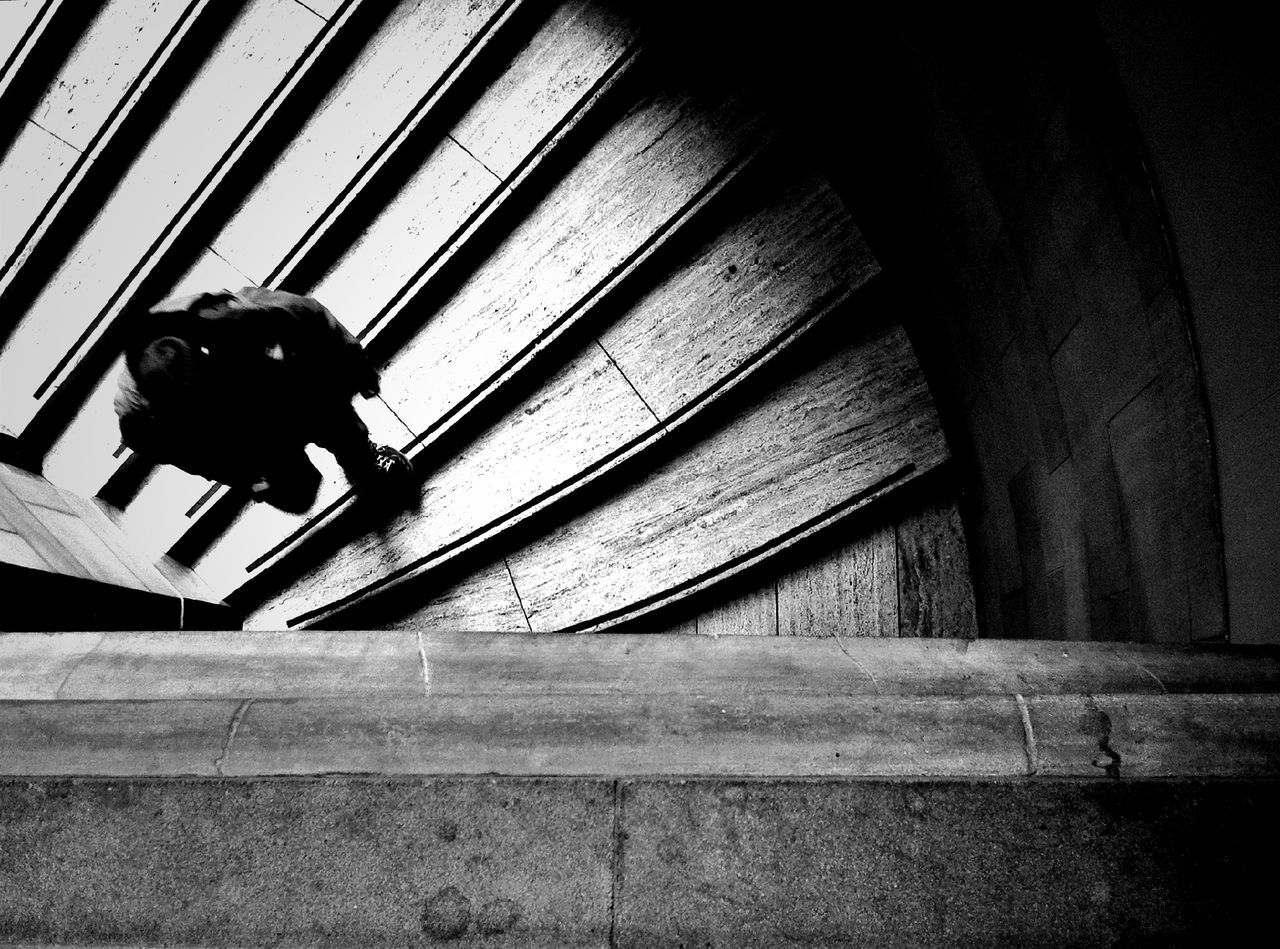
234,386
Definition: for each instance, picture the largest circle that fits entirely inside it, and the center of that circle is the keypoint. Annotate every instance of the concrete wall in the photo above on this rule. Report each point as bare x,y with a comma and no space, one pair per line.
1081,205
1202,82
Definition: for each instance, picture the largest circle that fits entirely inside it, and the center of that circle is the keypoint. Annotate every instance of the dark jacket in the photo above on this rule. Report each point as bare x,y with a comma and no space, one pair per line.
269,370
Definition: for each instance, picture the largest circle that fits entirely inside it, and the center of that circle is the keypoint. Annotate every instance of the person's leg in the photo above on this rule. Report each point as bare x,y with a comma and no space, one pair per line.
345,435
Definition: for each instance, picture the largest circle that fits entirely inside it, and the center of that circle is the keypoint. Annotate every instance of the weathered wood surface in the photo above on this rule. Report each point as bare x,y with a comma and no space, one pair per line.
546,82
840,428
644,169
852,591
404,60
249,63
588,411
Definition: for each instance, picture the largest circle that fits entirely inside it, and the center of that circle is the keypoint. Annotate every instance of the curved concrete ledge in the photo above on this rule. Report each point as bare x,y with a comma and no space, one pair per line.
263,704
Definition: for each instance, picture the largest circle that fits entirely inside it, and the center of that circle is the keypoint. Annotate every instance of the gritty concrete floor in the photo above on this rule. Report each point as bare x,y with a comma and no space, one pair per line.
652,862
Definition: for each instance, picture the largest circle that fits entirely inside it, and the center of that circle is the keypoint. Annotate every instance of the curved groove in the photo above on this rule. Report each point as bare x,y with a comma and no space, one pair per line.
592,475
520,363
759,556
69,383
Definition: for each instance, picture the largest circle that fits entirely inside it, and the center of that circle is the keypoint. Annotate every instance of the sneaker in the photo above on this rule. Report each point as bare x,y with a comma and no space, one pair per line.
391,464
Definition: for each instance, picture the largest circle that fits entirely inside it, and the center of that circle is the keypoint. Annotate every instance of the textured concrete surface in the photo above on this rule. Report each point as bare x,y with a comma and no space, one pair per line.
919,864
581,862
312,863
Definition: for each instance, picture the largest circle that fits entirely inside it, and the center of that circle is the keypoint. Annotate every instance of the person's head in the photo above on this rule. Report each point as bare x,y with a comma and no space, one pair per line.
167,346
165,367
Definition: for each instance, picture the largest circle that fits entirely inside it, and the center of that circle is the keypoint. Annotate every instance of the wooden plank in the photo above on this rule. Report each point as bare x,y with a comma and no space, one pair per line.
640,175
852,591
195,143
751,614
791,245
419,43
935,592
840,428
548,81
582,414
1151,507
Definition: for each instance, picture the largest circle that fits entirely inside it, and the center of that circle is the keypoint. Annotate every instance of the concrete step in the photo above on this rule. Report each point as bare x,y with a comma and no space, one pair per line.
387,789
